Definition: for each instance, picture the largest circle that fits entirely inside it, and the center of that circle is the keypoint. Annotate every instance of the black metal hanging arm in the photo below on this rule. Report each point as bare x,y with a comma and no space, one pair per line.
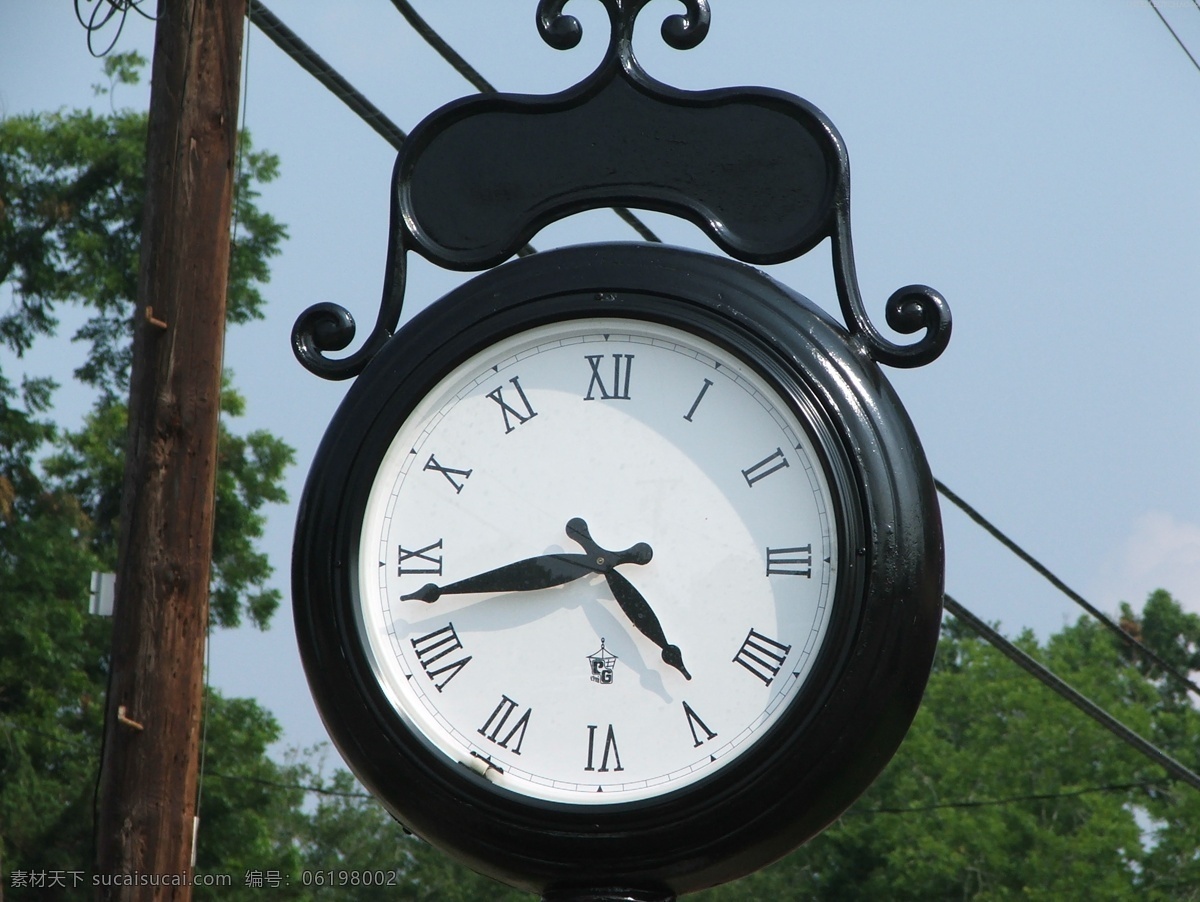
762,172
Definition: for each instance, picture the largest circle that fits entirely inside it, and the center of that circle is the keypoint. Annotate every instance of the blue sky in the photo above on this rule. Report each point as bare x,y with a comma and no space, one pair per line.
1035,162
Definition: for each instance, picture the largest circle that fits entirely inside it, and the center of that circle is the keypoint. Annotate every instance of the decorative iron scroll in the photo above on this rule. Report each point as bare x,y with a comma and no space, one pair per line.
762,172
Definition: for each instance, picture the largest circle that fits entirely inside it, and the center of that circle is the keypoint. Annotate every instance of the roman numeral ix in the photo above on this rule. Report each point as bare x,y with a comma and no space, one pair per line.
426,562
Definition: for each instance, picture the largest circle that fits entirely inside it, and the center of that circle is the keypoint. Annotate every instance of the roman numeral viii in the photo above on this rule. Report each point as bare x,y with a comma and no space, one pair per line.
762,655
622,363
433,647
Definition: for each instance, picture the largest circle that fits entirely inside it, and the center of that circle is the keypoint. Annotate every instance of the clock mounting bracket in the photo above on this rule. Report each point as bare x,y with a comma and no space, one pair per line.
762,172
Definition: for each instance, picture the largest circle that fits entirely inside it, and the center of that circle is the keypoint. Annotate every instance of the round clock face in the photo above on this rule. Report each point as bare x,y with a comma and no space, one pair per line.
598,561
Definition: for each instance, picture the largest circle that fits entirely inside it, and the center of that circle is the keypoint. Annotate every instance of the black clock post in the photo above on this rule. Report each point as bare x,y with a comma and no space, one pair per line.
784,652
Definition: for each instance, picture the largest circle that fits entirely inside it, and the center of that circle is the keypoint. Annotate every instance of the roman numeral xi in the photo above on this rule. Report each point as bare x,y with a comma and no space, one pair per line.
497,395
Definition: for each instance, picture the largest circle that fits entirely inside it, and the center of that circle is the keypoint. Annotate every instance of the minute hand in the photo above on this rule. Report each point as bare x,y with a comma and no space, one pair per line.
541,572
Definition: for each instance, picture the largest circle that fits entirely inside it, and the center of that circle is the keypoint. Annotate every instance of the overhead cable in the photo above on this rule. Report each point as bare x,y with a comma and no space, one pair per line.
1011,800
289,42
1029,559
1178,40
1076,698
312,62
481,84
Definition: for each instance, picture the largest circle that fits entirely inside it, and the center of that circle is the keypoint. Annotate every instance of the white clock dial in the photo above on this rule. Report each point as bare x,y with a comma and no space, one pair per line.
525,650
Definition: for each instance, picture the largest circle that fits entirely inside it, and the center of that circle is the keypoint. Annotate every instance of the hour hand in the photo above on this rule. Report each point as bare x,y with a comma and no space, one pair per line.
542,572
638,610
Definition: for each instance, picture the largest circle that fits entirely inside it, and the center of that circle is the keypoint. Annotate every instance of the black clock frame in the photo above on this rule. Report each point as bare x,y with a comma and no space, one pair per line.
838,732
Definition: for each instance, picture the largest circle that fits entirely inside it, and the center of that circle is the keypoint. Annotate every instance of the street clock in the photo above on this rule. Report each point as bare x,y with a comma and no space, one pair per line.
618,572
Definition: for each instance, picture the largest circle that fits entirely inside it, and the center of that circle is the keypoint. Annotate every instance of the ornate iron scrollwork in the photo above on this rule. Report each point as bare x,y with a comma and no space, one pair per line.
563,32
762,172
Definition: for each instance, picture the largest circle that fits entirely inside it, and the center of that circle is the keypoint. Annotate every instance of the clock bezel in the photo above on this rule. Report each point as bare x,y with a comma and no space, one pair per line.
563,329
840,728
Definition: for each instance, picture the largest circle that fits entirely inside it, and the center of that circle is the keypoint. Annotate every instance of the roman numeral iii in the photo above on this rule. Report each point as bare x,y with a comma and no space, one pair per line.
796,561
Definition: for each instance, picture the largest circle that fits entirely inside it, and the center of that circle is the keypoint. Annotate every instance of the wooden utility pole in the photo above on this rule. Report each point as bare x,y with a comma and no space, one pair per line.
152,729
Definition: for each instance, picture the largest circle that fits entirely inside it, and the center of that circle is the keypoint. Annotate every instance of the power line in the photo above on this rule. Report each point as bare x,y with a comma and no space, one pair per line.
444,50
476,79
312,62
1029,559
277,784
481,84
1178,40
1009,800
1076,698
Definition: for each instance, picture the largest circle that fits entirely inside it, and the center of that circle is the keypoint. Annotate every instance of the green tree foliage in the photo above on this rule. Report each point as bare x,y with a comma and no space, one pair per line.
1002,790
52,658
71,200
71,187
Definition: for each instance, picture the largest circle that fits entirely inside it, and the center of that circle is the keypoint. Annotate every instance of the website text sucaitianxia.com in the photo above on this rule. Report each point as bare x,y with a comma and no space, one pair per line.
261,879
